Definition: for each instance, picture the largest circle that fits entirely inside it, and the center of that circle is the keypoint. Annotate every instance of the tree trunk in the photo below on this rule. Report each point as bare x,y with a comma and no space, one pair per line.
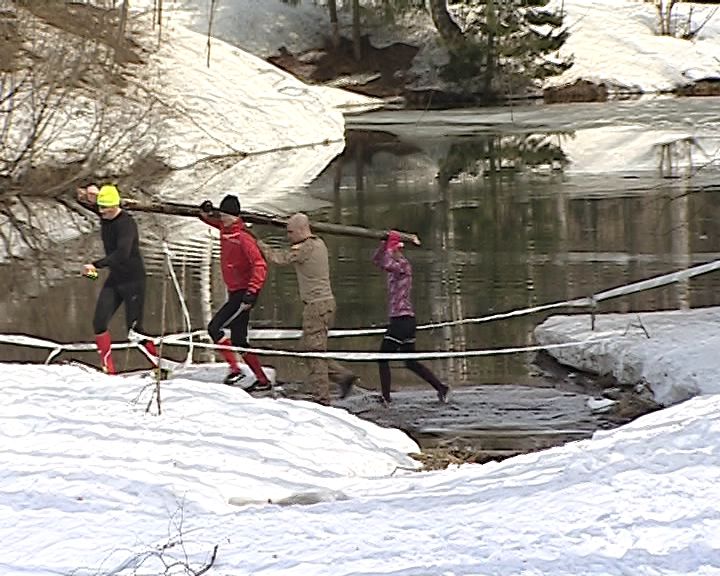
449,31
122,27
191,210
123,21
492,21
357,48
209,29
665,9
334,27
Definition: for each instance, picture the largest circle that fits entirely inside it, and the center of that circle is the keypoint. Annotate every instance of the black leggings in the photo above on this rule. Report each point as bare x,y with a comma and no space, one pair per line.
400,337
109,300
231,316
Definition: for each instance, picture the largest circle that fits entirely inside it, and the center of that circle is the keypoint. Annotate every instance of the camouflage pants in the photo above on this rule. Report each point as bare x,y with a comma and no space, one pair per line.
316,321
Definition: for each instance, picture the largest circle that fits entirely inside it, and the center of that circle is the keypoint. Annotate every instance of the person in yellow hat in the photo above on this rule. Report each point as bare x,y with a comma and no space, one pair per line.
125,284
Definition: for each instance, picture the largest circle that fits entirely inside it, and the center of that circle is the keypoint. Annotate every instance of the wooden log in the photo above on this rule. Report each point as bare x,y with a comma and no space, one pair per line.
180,209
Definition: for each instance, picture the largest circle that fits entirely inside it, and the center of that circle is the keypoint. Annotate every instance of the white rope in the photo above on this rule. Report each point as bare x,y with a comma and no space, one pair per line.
648,284
56,348
586,302
375,356
183,305
182,339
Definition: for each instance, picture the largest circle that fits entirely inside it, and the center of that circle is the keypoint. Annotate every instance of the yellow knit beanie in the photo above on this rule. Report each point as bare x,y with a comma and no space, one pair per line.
108,196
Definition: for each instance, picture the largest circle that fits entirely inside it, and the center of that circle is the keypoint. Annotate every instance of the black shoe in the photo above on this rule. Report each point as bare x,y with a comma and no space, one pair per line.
246,382
346,385
258,386
235,379
443,395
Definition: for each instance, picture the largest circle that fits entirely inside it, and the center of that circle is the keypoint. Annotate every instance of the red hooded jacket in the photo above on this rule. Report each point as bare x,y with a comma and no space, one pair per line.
243,265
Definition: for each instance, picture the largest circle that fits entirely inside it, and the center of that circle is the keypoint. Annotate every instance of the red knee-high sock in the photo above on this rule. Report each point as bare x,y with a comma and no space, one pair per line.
229,355
252,361
150,347
103,343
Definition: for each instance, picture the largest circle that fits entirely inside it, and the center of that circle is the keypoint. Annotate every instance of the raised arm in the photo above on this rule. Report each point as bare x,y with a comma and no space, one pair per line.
88,197
296,254
206,215
386,261
378,256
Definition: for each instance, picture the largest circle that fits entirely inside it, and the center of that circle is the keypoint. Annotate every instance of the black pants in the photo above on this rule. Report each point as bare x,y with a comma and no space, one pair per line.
231,316
112,294
400,337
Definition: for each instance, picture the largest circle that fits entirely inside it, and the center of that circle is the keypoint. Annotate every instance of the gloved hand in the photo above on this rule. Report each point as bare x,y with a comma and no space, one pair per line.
206,206
393,241
248,299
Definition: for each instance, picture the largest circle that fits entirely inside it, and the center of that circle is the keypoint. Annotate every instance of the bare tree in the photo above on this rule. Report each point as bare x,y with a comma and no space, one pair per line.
449,30
167,559
211,16
67,114
357,46
665,14
64,112
668,24
334,26
123,20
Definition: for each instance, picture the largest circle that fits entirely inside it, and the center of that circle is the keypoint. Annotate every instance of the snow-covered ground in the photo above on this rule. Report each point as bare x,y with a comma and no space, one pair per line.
674,353
91,484
614,42
611,41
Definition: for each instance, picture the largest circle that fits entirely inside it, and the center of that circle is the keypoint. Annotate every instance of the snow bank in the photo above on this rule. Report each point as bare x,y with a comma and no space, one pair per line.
675,353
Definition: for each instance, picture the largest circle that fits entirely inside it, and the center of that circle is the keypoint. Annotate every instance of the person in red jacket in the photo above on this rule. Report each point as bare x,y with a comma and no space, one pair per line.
244,271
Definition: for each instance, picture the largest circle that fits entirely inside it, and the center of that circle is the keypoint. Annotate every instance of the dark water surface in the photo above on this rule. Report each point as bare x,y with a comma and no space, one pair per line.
515,208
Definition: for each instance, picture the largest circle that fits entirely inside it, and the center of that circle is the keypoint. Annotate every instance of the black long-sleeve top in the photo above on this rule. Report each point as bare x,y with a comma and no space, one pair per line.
122,249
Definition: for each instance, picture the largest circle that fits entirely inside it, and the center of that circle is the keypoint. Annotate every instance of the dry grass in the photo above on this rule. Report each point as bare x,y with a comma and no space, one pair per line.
441,458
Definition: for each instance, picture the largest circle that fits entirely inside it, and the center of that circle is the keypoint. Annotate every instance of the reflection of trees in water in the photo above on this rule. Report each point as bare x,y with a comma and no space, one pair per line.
32,225
501,153
473,155
446,297
491,244
675,159
360,149
500,246
31,230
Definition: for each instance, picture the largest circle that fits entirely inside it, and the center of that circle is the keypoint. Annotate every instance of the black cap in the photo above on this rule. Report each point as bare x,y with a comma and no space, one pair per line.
230,205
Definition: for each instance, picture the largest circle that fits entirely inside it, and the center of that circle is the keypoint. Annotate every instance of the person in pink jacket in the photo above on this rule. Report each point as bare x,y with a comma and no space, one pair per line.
400,335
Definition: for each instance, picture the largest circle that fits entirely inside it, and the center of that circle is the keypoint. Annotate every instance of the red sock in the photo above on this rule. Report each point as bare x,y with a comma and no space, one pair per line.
103,343
252,361
150,347
229,355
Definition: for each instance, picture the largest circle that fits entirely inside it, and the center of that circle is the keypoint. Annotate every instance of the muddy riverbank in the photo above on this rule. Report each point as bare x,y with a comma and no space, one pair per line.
497,421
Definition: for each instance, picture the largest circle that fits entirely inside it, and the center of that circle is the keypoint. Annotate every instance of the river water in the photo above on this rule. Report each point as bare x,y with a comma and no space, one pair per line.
516,207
